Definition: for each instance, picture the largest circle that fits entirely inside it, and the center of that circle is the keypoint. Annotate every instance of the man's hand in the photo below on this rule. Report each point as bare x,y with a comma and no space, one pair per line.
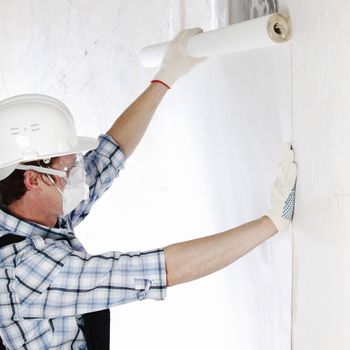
176,62
283,191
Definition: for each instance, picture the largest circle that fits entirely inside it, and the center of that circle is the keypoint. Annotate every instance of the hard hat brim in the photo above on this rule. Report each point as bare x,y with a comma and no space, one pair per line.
84,144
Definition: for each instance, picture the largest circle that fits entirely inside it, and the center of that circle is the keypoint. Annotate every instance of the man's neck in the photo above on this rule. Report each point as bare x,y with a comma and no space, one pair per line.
25,213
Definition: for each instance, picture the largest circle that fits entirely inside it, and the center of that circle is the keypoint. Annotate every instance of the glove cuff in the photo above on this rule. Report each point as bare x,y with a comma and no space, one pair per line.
160,82
280,223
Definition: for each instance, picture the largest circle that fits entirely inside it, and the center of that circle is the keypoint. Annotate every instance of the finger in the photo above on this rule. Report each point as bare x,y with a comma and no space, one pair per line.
291,177
194,31
286,149
179,35
287,157
189,33
287,146
288,173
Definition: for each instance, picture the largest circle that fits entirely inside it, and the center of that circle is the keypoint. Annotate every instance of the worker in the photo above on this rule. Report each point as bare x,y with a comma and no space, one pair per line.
54,294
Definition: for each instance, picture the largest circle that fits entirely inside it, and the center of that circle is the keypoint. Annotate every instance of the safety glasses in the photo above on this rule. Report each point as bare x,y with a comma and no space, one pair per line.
64,168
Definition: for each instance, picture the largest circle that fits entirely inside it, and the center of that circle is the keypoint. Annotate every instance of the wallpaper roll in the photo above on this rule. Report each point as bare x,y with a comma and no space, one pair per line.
257,33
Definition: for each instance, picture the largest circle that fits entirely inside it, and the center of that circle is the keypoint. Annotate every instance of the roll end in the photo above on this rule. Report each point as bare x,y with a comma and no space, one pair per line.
279,27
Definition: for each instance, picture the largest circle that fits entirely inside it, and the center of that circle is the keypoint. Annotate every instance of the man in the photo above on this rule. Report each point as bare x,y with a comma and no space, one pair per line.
53,293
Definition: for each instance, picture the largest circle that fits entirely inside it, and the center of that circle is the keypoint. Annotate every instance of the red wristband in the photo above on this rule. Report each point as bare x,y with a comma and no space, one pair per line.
161,82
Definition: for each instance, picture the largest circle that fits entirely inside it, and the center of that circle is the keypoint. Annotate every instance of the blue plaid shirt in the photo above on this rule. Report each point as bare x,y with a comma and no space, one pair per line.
48,280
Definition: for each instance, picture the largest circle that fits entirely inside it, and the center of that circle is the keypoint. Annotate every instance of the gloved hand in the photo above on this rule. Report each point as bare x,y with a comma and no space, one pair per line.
176,62
283,191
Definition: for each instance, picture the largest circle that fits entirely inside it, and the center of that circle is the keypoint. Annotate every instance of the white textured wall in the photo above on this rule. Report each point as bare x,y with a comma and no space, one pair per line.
206,163
321,105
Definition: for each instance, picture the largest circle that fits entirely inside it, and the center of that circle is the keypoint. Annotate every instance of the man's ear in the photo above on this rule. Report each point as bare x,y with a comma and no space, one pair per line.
31,180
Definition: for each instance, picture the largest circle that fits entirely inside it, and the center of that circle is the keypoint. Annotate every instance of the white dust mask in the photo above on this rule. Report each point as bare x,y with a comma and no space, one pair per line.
73,196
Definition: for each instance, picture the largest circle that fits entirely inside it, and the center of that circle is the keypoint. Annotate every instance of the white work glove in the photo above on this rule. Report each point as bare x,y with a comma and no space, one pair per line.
283,191
176,62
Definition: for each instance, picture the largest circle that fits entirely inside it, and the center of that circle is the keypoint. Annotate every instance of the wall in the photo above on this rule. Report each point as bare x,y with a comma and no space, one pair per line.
321,307
206,163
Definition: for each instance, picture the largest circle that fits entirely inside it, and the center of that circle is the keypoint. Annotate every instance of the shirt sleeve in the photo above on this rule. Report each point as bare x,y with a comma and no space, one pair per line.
102,166
56,281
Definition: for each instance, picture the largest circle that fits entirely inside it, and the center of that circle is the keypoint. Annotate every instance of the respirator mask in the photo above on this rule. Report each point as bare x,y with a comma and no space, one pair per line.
75,189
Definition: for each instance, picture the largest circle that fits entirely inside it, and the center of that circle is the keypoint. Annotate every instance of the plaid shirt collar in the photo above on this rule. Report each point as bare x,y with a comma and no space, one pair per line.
14,225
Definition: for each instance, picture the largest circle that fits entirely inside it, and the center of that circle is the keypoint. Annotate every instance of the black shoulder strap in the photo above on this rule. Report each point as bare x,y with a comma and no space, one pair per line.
97,329
4,241
9,239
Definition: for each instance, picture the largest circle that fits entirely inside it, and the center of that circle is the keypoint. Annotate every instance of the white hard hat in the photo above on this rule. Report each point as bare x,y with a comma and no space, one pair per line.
35,126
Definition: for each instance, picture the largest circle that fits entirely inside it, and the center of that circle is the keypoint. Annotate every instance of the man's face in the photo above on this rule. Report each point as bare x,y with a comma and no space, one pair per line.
51,194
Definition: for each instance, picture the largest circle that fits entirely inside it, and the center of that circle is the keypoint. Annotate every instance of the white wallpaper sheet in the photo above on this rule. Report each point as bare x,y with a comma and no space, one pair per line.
205,165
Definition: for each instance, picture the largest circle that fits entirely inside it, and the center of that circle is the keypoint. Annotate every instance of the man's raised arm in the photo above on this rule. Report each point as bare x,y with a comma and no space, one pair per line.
130,127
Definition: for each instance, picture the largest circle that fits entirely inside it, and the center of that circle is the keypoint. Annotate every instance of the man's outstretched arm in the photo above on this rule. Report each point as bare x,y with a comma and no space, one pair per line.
197,258
130,127
193,259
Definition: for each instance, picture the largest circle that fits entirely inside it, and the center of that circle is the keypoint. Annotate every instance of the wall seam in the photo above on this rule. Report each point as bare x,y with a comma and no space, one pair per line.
292,226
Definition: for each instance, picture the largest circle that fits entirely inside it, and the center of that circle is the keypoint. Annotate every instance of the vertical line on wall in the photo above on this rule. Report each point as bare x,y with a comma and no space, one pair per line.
292,226
291,90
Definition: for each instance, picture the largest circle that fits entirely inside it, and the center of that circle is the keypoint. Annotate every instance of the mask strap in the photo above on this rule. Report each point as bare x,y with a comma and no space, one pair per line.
58,189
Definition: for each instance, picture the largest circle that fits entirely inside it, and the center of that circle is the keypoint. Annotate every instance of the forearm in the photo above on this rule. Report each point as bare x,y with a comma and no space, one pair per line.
130,127
193,259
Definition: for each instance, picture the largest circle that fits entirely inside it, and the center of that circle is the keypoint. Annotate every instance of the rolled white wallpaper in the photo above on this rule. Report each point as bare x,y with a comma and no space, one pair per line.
257,33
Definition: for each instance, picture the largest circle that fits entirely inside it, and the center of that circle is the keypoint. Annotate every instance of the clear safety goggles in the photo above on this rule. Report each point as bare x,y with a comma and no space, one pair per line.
69,168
